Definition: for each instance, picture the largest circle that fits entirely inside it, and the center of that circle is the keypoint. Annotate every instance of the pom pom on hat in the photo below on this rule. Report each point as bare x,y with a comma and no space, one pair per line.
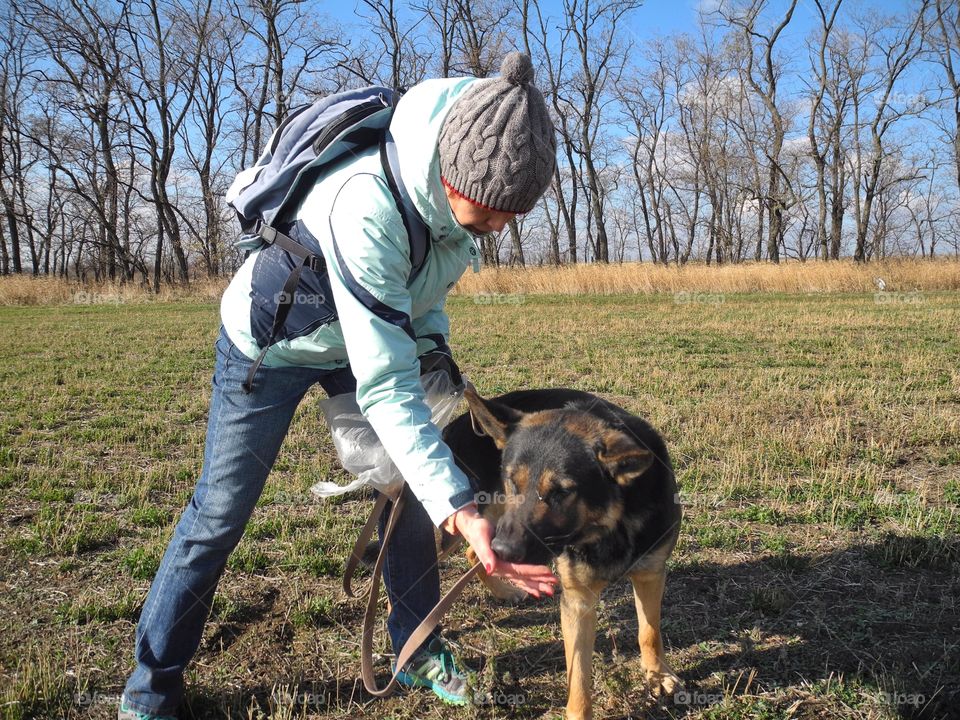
517,69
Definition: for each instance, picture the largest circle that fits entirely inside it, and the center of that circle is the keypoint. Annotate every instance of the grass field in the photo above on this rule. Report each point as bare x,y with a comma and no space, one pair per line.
817,446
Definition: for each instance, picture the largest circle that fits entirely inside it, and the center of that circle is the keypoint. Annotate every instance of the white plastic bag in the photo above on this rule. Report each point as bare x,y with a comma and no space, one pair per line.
360,450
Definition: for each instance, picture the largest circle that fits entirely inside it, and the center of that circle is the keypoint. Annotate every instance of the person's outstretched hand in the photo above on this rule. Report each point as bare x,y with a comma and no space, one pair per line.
478,533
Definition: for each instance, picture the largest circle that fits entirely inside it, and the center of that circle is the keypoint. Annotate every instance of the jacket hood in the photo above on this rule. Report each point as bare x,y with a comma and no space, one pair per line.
415,127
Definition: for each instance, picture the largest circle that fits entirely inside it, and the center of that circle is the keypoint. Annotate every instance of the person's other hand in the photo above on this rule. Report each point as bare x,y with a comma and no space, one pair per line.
478,533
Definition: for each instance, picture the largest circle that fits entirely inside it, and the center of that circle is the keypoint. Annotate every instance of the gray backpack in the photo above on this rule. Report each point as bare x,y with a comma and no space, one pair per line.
310,140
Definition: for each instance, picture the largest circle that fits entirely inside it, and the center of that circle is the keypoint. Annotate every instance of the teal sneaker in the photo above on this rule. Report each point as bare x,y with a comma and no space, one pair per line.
433,668
128,713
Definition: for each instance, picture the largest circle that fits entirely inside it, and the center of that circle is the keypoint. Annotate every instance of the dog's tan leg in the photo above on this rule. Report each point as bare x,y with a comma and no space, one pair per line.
648,594
578,622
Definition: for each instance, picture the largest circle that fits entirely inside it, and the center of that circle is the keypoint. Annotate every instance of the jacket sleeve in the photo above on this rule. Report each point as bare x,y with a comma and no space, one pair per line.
433,330
368,261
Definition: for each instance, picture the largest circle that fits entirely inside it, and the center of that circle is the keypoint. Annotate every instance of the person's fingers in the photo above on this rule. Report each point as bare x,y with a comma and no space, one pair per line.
528,588
533,588
535,580
478,533
533,573
541,585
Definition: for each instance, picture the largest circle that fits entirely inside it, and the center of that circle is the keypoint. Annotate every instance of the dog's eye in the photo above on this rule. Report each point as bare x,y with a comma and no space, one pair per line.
558,494
554,494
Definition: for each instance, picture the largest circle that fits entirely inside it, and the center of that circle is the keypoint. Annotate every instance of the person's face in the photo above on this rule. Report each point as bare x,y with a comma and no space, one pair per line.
476,219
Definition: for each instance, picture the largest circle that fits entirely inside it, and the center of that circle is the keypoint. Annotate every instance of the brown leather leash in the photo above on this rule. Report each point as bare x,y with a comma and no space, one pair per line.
425,627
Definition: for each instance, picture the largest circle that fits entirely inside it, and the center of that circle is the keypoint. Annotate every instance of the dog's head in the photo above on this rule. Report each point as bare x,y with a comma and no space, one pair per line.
564,472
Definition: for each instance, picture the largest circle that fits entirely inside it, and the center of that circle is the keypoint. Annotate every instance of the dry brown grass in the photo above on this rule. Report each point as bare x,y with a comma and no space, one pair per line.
589,279
645,278
28,290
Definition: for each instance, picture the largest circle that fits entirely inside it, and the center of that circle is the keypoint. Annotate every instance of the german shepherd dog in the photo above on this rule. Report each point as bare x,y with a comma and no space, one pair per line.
569,477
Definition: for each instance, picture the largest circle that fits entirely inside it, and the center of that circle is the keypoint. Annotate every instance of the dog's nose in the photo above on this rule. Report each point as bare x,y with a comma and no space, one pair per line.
504,550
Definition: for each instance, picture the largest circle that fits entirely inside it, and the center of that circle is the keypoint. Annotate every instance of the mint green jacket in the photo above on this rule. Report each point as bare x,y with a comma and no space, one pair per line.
354,217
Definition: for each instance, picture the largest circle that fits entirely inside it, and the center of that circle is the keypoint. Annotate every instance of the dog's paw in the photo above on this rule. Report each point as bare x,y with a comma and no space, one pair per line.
662,682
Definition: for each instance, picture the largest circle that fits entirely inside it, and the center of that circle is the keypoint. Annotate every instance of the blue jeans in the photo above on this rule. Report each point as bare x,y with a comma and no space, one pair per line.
244,434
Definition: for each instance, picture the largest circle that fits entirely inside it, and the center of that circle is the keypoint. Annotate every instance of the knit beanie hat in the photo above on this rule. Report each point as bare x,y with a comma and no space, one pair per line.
497,144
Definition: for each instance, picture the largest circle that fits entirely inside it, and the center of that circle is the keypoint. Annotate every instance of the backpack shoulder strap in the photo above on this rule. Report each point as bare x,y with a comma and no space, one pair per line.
348,130
417,231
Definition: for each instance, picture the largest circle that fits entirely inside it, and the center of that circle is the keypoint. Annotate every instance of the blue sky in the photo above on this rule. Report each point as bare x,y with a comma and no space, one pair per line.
660,18
665,17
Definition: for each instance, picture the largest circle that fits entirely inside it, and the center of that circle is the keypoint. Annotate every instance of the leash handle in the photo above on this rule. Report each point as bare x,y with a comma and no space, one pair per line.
426,626
366,533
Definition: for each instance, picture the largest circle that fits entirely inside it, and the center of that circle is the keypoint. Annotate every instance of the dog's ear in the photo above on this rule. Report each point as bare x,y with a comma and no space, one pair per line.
622,456
491,418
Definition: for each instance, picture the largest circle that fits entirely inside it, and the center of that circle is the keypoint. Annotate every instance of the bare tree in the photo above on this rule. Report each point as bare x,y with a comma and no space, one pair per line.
481,36
480,33
601,55
393,54
944,38
695,78
765,84
443,16
885,48
159,86
81,41
213,32
645,99
554,58
14,71
823,118
291,46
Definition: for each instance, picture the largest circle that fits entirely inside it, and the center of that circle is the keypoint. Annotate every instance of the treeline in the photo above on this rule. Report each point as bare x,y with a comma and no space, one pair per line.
757,137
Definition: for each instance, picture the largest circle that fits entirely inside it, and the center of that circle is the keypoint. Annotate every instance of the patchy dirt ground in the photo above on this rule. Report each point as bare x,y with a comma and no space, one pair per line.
817,576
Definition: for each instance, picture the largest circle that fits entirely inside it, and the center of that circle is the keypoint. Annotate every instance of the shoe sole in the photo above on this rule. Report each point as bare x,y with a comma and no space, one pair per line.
412,681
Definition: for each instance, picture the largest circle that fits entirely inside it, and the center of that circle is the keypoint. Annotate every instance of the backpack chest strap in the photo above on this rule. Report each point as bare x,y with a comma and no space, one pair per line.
272,236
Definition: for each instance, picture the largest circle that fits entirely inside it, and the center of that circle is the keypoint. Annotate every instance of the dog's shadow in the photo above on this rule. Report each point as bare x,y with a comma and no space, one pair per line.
877,619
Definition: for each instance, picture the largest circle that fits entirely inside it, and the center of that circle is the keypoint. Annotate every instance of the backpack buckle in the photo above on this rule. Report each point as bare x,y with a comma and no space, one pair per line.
268,233
316,263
